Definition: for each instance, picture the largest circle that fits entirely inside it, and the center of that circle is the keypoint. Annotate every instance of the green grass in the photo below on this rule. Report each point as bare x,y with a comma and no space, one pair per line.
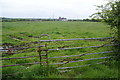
21,34
21,30
56,28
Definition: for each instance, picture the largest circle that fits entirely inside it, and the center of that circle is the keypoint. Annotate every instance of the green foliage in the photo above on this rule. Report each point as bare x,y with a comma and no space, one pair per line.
96,71
35,71
110,13
13,72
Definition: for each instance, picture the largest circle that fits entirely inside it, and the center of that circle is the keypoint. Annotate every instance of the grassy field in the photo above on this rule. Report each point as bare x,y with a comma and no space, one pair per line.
55,29
25,34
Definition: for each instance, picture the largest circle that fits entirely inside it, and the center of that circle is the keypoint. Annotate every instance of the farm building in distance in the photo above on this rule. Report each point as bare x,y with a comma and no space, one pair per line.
62,19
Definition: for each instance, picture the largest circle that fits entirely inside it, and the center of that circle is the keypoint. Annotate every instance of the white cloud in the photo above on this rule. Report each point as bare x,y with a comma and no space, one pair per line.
46,8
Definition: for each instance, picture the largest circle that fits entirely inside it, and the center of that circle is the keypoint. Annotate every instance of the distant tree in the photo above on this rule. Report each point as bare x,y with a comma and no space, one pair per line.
95,20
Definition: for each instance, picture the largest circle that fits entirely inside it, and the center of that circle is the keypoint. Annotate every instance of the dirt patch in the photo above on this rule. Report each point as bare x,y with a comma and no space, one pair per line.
15,37
28,35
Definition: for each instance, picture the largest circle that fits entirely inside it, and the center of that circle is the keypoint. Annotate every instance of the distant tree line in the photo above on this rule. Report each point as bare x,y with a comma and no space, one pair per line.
30,19
93,20
21,19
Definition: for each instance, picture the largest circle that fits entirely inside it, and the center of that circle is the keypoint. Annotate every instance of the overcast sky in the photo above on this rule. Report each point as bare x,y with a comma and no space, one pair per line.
70,9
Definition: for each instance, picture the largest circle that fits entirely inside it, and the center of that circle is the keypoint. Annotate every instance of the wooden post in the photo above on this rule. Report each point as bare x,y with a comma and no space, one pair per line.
9,51
39,52
46,54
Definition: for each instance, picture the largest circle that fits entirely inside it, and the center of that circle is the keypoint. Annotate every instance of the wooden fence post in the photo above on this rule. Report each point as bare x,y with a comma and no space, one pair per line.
39,52
9,51
46,53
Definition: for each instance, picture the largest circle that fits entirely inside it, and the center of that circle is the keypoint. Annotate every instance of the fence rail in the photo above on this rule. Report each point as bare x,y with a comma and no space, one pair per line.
78,66
81,47
56,57
84,60
22,48
81,54
22,64
21,57
76,39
